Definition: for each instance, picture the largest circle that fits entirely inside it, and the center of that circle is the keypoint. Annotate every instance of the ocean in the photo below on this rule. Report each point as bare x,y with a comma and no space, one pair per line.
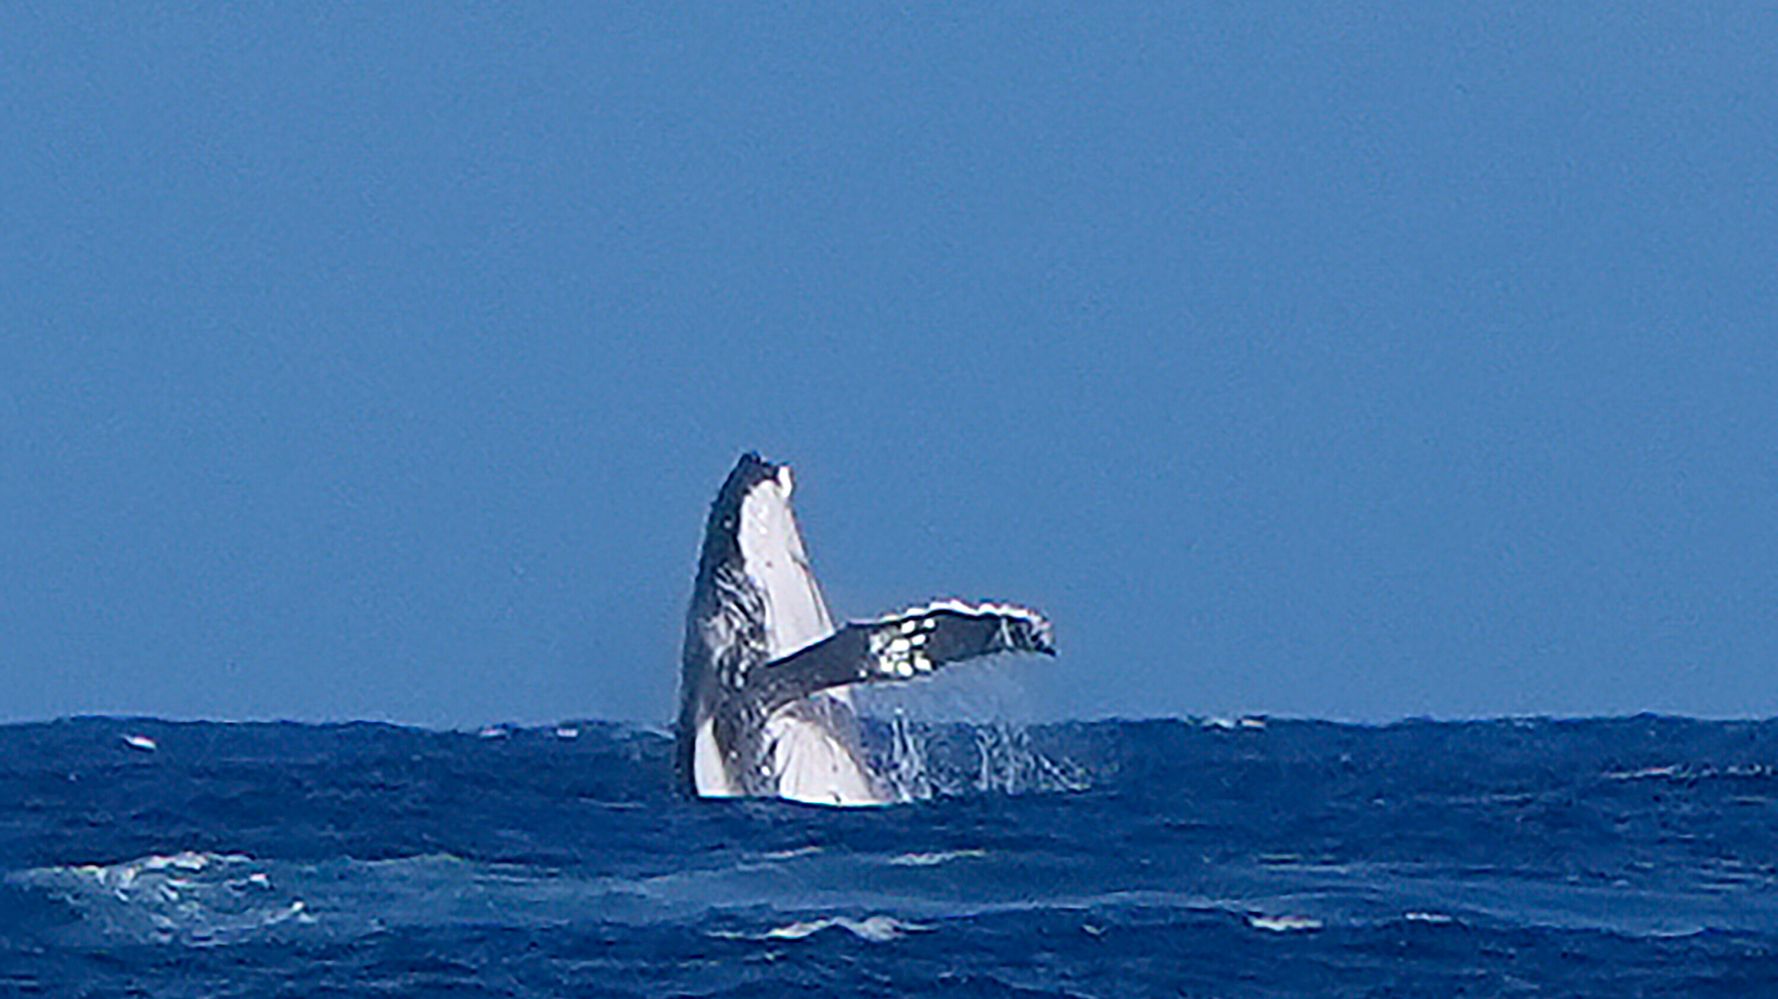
1224,857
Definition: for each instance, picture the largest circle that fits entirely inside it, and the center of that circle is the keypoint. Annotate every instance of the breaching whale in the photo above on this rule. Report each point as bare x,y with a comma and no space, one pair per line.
764,705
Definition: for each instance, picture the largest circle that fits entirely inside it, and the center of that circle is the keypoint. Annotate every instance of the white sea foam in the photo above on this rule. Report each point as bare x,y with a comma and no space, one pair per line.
792,854
1645,773
935,858
1249,723
875,929
1283,924
189,897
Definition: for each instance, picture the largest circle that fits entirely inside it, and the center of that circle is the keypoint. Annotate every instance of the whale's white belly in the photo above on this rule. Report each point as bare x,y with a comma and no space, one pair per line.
815,767
708,770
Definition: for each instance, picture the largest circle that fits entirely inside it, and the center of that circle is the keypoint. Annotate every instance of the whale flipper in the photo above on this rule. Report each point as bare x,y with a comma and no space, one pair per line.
903,646
764,707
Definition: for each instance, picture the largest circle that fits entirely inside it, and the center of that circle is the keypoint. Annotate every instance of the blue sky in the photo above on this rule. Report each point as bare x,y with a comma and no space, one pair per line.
1355,362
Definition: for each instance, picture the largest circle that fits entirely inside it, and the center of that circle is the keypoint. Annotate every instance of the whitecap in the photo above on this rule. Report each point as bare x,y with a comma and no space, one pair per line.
801,851
188,897
1283,924
875,929
1644,773
1436,918
935,858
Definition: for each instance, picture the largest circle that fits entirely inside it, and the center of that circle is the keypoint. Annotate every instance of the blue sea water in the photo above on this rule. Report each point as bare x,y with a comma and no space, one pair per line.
1634,856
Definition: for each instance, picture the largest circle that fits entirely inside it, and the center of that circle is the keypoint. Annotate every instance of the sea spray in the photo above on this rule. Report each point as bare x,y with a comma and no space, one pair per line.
966,732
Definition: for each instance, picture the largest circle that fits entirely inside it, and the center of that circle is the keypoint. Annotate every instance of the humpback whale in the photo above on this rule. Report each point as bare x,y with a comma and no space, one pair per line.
764,687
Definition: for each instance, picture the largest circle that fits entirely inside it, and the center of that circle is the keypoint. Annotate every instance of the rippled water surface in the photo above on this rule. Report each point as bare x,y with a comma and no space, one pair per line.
1226,858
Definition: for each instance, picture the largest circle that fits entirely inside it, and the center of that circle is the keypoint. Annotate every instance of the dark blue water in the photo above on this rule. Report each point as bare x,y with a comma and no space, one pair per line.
1616,857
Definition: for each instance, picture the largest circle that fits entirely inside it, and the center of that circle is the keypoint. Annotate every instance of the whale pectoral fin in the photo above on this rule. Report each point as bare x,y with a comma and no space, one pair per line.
904,646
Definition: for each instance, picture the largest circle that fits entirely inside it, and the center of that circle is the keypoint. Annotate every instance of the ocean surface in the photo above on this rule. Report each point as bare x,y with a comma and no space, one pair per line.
1238,857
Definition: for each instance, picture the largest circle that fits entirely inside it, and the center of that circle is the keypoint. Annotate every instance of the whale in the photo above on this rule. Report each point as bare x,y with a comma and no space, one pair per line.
766,679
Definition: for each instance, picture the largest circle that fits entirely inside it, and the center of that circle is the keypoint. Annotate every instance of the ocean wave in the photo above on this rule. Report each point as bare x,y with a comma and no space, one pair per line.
791,854
934,858
873,929
1696,772
1432,918
1283,924
190,897
1636,843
